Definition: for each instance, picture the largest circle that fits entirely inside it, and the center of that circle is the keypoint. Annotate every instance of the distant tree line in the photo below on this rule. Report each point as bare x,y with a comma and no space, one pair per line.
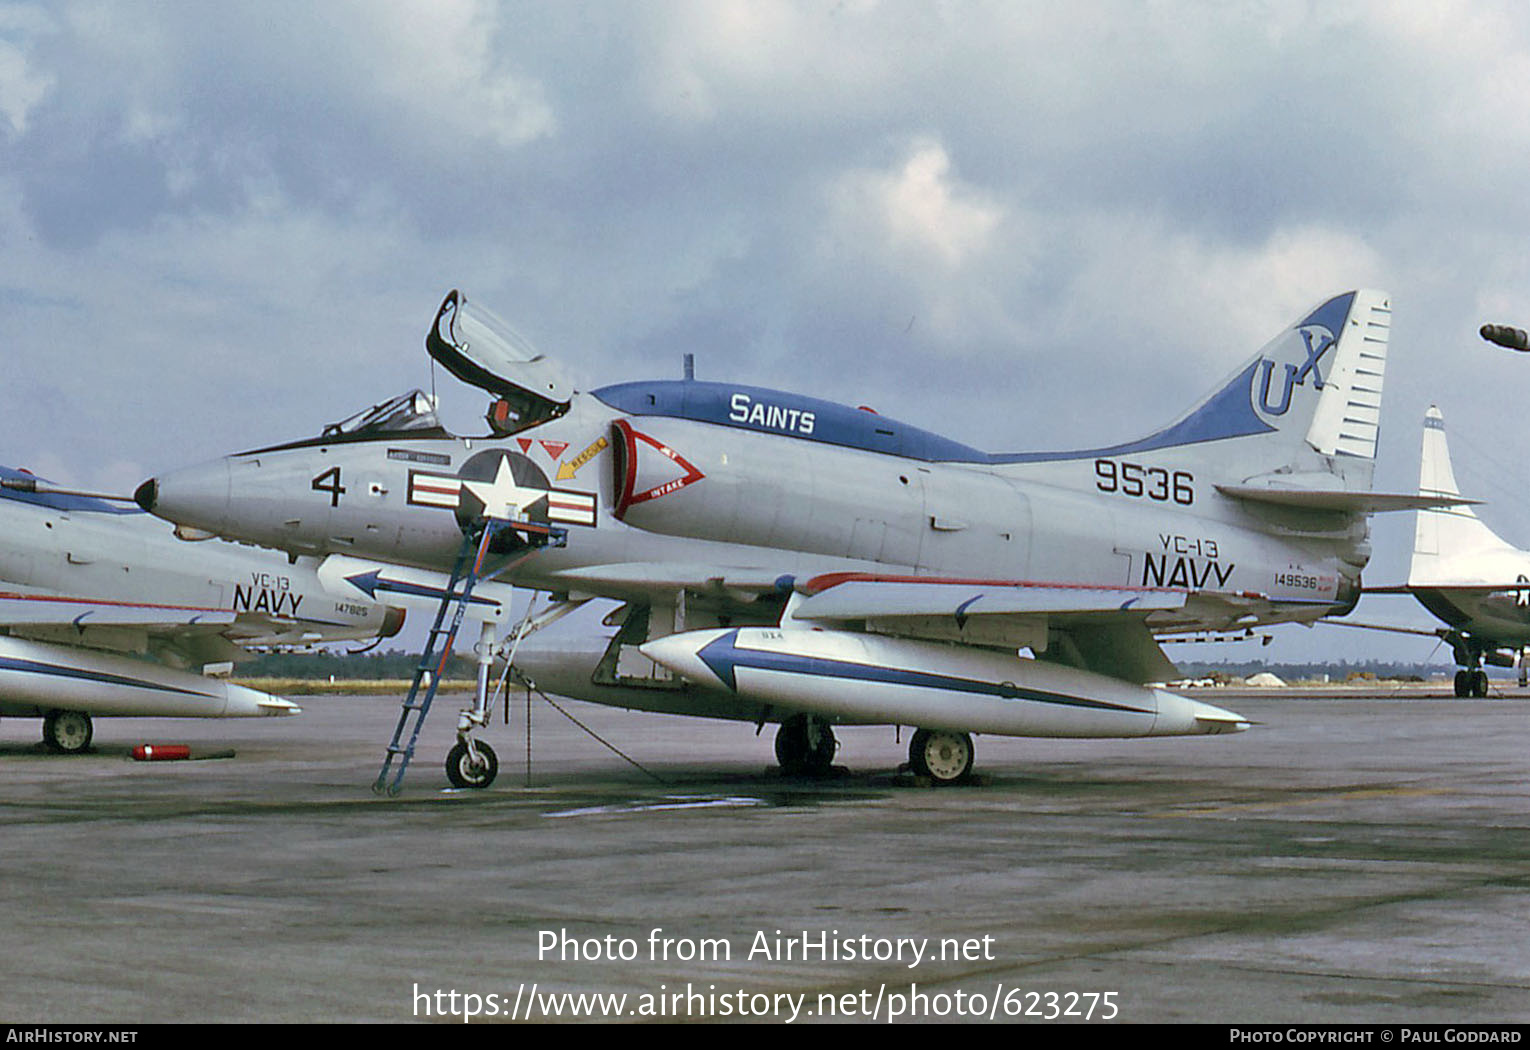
1336,671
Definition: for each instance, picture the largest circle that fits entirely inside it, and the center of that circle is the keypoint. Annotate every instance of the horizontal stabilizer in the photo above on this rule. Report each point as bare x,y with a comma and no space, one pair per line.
1338,500
1474,586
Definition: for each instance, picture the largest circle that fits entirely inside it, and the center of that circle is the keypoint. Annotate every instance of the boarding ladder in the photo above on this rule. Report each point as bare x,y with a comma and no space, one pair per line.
466,572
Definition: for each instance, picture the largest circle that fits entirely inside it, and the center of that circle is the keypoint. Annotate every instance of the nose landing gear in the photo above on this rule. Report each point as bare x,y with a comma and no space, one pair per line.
471,764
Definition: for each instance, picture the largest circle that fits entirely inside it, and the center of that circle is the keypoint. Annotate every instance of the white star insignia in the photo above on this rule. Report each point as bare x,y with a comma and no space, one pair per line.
502,498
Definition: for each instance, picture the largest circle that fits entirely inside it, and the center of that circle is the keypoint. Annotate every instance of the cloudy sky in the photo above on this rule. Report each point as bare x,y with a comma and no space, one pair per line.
1023,225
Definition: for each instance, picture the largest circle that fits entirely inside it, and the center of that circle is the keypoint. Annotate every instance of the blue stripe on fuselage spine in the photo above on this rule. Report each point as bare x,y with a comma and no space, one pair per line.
724,657
1227,413
790,415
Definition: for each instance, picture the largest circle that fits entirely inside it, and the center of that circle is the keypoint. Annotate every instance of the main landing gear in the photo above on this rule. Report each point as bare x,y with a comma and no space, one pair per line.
942,755
67,732
1471,653
1471,683
805,746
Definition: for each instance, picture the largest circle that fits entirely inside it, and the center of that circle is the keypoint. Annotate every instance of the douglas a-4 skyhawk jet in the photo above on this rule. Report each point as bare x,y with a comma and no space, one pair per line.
788,560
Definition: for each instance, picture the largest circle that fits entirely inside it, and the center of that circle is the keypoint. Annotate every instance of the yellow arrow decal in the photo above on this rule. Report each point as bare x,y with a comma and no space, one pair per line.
569,469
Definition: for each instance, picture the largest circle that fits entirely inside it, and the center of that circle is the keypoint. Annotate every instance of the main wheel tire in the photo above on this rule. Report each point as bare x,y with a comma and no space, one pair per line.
942,755
1463,684
805,747
1479,683
67,732
463,772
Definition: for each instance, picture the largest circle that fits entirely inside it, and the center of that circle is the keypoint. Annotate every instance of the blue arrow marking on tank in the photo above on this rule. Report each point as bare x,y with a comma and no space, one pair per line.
724,657
369,583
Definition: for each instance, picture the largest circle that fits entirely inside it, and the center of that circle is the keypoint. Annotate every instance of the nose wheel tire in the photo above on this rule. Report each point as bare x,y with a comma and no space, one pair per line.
67,732
464,772
942,755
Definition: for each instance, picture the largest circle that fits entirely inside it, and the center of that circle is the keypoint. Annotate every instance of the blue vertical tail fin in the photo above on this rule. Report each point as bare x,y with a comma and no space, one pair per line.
1308,403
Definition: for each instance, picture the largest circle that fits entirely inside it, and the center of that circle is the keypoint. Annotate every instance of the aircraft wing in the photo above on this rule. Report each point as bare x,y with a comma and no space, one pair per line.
1100,629
1342,501
18,609
857,596
1096,628
184,635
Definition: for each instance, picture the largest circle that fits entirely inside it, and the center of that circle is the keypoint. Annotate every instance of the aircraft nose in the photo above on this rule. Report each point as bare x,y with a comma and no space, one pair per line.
147,494
196,496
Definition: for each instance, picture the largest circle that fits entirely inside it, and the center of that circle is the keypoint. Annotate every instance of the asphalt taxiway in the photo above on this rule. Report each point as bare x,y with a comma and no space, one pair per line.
1350,859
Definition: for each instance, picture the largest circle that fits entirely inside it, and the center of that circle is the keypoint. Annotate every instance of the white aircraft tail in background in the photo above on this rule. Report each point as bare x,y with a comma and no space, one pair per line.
1466,574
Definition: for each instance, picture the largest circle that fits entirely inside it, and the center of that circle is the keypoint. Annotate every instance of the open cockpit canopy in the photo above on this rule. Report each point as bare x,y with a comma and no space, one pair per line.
480,349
